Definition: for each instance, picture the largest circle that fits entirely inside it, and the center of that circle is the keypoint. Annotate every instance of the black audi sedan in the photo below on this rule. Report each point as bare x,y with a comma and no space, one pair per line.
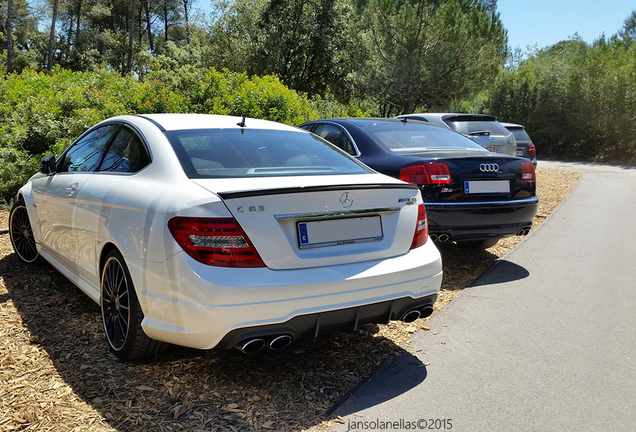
472,196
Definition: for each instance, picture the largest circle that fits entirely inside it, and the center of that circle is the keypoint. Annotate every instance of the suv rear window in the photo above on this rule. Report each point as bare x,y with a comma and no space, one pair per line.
468,127
212,153
520,134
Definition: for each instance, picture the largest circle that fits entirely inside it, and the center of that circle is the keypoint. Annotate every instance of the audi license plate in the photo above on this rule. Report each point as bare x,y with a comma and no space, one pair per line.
487,186
335,232
494,149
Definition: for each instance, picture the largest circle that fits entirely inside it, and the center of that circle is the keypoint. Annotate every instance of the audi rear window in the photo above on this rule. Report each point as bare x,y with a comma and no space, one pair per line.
213,153
407,137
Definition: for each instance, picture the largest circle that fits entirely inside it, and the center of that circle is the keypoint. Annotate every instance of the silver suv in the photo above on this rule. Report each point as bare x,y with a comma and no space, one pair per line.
485,130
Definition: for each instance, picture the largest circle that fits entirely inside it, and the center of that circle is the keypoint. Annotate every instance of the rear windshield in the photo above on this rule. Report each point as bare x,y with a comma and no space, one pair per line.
471,127
412,137
207,153
520,134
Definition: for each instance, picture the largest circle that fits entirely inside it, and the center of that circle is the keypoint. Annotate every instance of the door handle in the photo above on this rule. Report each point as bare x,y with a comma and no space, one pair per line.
71,189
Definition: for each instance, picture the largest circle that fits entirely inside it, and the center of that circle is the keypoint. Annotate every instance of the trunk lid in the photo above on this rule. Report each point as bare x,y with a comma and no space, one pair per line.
312,221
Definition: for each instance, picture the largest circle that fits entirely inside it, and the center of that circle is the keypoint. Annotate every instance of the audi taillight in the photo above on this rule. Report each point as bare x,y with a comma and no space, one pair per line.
421,228
431,173
527,172
531,149
215,241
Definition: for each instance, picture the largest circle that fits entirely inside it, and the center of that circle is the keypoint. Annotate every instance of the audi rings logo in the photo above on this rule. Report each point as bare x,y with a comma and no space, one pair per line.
346,200
489,167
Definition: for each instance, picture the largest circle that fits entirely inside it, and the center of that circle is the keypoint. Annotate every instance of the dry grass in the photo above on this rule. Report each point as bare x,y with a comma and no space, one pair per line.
56,373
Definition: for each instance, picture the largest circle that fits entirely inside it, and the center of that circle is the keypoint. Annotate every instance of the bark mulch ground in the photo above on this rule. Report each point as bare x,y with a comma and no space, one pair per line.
56,373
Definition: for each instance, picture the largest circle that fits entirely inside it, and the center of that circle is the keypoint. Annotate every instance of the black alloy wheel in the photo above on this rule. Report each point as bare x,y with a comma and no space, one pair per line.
21,234
122,314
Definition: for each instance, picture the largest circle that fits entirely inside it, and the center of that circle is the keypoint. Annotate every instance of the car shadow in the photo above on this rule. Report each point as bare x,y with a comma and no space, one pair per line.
182,389
501,271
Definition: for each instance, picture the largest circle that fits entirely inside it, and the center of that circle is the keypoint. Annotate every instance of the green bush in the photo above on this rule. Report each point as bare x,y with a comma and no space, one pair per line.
43,113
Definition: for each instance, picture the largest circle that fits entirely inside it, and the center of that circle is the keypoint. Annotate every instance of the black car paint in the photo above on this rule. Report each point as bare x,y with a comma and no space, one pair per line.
449,210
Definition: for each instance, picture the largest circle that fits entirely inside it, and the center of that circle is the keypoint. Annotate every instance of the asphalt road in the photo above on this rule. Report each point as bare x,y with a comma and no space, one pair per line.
544,341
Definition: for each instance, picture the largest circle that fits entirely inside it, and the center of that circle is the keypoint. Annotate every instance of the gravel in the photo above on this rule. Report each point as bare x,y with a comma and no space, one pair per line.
56,372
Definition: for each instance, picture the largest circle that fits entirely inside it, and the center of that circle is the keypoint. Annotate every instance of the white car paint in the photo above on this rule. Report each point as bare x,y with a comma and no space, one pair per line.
76,215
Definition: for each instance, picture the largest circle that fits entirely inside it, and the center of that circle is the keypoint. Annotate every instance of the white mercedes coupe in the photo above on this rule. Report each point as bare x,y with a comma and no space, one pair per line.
215,231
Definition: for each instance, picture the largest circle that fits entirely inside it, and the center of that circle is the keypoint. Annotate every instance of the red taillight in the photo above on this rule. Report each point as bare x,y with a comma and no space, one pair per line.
431,173
421,228
215,241
527,172
531,149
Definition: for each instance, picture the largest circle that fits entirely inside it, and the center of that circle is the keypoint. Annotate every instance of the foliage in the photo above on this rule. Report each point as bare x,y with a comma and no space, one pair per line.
42,113
577,101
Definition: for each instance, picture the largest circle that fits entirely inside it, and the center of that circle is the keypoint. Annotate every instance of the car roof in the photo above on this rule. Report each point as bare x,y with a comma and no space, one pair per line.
170,122
512,125
361,121
451,116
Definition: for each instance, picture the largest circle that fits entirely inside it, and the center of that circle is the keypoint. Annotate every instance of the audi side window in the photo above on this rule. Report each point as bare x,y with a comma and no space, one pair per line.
335,136
126,154
85,154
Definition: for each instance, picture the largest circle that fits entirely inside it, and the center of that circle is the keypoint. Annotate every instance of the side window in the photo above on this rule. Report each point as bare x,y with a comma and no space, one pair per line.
306,126
85,154
335,136
126,154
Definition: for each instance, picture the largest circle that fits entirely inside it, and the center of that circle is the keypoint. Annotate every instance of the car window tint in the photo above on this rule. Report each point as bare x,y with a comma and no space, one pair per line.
335,136
414,137
85,154
257,152
468,127
126,154
520,134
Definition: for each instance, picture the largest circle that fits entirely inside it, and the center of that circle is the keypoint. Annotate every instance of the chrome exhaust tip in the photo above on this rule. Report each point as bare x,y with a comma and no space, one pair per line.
280,342
443,238
521,231
433,237
426,311
527,231
251,346
411,316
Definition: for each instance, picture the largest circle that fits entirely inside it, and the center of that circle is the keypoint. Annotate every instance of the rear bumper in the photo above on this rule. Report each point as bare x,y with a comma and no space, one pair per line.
481,220
191,304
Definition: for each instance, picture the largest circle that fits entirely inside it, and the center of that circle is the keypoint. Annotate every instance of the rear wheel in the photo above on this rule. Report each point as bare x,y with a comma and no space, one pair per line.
479,244
21,234
121,313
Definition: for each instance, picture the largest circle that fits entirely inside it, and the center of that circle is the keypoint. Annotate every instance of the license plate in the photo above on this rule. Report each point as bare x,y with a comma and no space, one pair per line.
336,232
494,149
519,152
487,186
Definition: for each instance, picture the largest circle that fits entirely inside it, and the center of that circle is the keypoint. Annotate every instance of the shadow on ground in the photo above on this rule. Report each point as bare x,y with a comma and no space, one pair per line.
183,389
503,271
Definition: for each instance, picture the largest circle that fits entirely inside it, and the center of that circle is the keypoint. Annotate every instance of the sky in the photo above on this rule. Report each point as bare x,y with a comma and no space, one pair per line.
546,22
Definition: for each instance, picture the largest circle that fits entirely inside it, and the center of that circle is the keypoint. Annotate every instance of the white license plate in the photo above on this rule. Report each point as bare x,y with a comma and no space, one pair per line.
334,232
487,186
519,152
494,149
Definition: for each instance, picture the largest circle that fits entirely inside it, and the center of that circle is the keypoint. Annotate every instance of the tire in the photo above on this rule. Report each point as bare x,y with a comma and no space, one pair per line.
21,234
479,244
121,313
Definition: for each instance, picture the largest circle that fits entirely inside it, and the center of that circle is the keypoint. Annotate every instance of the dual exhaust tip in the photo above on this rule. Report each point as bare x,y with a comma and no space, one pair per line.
442,238
254,345
523,231
415,314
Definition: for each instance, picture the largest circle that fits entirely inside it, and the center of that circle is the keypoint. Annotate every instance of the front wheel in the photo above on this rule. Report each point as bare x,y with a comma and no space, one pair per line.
121,313
21,234
479,244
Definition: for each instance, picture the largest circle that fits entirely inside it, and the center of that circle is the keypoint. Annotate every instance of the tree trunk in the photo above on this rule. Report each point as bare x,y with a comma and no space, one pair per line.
9,27
131,36
49,63
165,20
77,28
187,22
150,40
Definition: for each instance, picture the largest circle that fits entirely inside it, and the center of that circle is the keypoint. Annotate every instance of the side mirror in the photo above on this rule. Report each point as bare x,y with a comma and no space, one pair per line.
47,165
